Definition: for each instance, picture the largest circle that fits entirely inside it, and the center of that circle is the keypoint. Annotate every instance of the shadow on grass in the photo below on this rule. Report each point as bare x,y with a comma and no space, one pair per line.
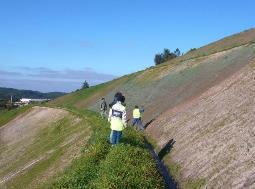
166,149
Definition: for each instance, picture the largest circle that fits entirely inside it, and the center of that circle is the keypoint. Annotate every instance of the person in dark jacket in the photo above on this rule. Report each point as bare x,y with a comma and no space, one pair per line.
103,108
115,98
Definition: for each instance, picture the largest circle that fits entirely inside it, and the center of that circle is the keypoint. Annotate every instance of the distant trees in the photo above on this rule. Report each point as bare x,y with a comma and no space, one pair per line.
158,59
192,49
85,85
177,52
166,55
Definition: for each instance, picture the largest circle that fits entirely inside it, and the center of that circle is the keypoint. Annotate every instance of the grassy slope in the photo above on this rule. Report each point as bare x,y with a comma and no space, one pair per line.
139,88
54,146
84,98
103,166
91,169
173,77
8,115
165,86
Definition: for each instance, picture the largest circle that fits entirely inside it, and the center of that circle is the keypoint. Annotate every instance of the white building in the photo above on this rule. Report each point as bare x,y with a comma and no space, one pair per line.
25,100
30,100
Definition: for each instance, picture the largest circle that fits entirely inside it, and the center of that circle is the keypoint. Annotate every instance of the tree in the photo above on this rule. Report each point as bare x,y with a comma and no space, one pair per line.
177,52
158,59
192,49
166,54
85,85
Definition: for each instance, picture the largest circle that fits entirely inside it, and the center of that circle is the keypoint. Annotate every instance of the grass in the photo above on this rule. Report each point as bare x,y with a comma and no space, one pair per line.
243,38
55,146
104,174
84,98
128,165
8,115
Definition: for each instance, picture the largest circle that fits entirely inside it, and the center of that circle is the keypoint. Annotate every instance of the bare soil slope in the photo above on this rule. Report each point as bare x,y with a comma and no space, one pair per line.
164,86
207,100
38,144
214,133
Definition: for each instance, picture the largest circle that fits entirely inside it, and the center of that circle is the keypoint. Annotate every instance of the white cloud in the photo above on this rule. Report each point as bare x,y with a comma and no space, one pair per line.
45,79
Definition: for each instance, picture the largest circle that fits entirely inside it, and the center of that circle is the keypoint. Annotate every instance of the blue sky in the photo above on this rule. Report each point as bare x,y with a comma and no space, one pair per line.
54,45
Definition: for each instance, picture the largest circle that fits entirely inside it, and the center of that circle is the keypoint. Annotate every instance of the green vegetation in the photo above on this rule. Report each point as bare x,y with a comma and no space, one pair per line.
86,97
166,56
136,86
128,165
54,146
8,115
70,100
6,93
85,85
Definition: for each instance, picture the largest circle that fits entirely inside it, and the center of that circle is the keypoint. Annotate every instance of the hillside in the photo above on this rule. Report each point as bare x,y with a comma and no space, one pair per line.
214,133
166,92
162,87
38,144
203,100
6,93
56,148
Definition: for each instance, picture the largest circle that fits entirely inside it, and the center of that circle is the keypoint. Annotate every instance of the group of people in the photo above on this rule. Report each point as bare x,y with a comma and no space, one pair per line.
117,116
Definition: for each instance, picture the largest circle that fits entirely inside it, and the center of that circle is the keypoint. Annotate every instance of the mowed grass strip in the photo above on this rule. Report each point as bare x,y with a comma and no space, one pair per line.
127,165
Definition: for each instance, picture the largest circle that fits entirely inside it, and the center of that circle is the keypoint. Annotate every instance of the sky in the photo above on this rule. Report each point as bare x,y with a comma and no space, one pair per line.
54,45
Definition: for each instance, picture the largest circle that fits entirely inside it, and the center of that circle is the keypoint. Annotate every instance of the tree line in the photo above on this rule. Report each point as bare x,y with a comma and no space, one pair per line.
166,55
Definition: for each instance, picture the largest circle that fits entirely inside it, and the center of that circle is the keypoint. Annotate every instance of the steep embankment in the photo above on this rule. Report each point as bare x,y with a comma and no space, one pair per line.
214,134
162,87
37,144
49,148
210,129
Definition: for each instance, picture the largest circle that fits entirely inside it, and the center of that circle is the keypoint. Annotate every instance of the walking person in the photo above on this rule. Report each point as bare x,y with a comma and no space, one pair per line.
137,120
103,108
117,94
117,118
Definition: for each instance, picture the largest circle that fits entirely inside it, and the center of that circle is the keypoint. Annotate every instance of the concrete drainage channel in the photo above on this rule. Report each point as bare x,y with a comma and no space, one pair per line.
169,182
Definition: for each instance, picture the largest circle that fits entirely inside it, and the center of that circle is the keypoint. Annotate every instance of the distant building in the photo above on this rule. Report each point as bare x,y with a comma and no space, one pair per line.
31,100
25,100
